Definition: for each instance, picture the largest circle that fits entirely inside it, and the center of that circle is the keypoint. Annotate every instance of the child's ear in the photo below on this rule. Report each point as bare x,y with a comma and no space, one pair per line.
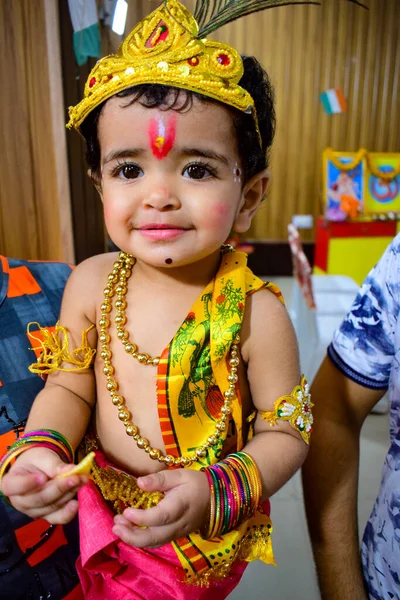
252,195
95,178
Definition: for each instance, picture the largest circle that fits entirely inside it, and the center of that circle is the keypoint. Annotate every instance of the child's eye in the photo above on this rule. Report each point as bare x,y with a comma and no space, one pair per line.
199,171
129,171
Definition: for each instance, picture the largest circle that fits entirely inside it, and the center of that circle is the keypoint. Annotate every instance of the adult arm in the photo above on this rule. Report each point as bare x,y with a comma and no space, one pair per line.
330,480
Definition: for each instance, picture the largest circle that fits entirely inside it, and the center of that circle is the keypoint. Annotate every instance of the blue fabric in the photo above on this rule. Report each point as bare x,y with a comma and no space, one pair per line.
37,560
366,348
87,43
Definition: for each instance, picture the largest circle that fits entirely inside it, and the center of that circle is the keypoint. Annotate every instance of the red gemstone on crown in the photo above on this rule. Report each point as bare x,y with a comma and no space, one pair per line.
223,59
160,34
92,82
194,61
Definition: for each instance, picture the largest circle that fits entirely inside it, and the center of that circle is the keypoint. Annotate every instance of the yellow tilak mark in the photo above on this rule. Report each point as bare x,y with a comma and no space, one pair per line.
84,467
55,351
159,141
294,408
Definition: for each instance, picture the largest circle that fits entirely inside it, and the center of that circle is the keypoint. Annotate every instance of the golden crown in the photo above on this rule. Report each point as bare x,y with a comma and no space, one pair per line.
164,48
170,47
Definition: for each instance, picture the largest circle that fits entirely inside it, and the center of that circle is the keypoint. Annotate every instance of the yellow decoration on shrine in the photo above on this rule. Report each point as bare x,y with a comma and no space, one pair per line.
361,154
379,174
164,48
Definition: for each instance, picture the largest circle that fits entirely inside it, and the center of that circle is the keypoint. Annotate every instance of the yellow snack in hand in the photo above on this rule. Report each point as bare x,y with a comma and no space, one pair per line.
82,468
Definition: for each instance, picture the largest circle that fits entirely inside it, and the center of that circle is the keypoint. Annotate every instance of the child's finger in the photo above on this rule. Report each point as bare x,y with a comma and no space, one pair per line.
18,484
120,520
52,496
151,537
63,515
169,510
57,489
161,481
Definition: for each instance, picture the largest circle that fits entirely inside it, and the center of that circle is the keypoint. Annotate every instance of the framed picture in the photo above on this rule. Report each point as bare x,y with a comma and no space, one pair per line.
383,183
344,183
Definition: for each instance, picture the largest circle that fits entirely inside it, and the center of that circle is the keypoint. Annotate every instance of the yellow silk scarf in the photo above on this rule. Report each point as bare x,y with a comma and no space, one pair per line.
192,376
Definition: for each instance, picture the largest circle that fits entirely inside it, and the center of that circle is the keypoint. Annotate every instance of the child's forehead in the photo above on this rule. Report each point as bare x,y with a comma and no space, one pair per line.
197,117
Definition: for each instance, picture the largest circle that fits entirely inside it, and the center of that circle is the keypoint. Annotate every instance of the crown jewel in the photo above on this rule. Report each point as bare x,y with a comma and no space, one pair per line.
164,48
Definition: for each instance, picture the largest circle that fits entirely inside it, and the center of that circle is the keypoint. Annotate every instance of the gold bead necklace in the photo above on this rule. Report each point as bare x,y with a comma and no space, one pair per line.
120,279
117,286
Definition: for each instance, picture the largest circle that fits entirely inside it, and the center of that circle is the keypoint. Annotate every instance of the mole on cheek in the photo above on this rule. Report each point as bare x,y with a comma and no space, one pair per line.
168,261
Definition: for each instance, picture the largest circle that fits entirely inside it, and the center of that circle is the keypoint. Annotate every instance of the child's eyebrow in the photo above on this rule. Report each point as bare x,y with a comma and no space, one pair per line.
190,151
122,153
203,153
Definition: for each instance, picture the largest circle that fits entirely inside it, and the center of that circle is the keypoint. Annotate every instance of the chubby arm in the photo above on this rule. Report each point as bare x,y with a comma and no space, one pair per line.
66,401
270,350
330,480
64,405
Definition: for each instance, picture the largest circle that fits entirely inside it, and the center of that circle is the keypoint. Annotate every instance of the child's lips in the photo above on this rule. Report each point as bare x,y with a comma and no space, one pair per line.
161,231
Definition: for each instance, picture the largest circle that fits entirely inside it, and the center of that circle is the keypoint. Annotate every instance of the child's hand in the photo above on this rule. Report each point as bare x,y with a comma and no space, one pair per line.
32,486
183,510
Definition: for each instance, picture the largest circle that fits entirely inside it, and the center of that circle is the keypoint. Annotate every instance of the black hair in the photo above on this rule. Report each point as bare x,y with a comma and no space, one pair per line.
254,157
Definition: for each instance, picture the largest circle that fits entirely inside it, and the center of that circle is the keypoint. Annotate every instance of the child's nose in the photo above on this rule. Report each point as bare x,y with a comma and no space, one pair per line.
162,198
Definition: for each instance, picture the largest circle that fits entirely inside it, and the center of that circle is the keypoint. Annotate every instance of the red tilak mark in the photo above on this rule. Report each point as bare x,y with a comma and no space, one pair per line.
162,136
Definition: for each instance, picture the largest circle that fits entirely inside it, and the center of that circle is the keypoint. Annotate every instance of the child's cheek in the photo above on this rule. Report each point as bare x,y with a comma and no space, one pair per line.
108,212
113,213
219,215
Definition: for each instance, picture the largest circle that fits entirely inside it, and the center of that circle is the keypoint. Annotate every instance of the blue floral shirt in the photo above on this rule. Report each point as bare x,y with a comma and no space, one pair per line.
366,348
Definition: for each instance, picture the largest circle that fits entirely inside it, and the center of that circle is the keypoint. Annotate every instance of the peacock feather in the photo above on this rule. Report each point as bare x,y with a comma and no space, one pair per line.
213,14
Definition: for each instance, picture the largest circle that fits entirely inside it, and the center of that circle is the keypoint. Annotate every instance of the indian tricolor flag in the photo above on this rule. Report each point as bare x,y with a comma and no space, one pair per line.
333,101
85,24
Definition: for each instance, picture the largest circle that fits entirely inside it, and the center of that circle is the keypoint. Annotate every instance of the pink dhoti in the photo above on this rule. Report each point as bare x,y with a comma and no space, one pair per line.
110,569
